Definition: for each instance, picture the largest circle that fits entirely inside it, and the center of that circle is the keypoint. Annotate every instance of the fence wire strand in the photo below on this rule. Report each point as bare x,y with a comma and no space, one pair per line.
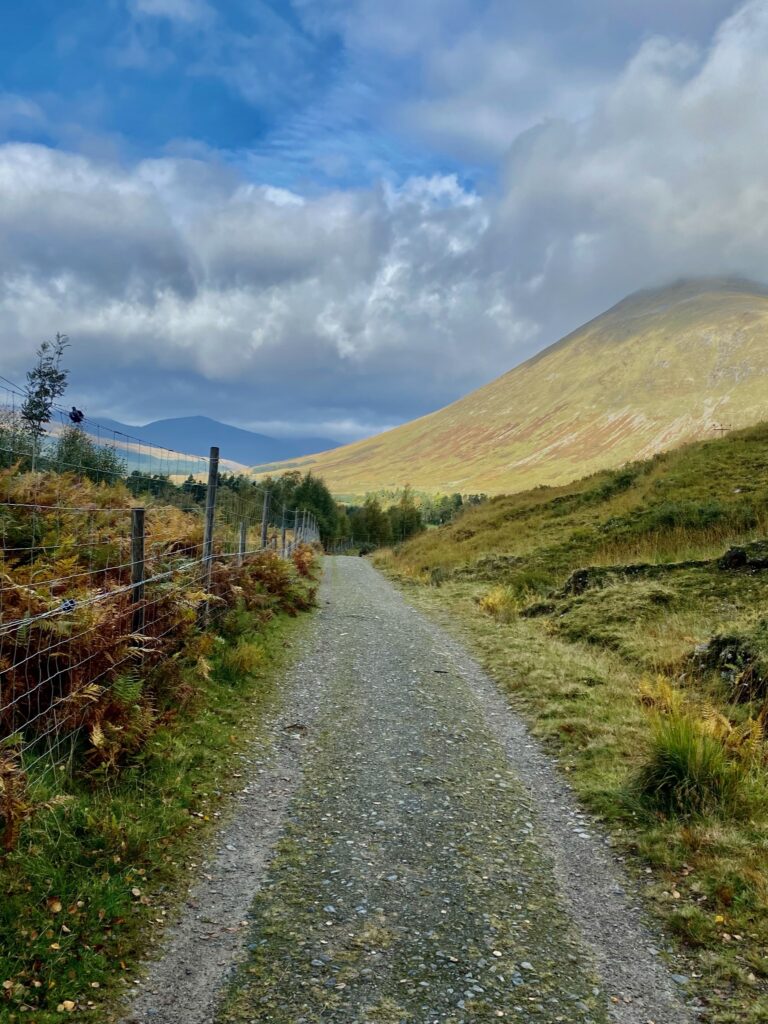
71,592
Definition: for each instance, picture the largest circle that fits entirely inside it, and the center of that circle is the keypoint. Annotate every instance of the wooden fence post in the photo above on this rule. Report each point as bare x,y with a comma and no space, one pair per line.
137,569
264,519
210,519
242,542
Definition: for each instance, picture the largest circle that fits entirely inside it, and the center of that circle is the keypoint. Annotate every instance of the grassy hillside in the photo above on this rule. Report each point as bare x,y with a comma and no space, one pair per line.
659,369
627,616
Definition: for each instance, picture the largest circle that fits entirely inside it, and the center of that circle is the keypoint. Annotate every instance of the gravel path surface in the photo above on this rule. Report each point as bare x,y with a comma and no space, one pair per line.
432,867
202,948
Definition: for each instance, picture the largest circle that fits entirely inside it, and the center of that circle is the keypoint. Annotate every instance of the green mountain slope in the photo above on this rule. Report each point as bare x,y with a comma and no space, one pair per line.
660,368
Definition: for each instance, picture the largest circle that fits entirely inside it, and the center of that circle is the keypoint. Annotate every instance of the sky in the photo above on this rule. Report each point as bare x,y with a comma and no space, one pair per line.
328,217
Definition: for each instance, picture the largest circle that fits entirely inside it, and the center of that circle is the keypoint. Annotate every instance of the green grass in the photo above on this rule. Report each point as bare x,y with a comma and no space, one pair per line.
687,771
705,875
641,658
96,875
689,503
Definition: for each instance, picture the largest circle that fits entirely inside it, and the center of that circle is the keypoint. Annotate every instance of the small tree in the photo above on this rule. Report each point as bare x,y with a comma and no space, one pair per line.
46,382
371,524
405,517
77,453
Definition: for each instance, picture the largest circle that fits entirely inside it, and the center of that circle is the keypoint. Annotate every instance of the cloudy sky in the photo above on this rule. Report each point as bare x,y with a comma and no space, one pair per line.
330,216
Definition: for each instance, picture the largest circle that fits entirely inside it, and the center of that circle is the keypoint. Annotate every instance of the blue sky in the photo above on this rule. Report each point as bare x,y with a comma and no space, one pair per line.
304,94
268,87
334,215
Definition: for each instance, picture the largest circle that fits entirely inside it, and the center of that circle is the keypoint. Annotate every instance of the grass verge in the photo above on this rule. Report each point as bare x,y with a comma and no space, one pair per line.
625,614
99,865
703,872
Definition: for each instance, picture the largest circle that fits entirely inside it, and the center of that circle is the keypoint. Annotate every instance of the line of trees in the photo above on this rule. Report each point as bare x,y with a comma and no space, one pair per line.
436,510
384,518
291,490
373,526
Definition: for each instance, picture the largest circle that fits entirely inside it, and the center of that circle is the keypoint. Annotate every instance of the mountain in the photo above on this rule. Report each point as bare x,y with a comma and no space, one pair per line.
660,368
194,435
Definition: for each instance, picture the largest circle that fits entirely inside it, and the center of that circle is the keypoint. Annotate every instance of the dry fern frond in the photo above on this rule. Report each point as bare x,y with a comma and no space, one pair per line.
661,695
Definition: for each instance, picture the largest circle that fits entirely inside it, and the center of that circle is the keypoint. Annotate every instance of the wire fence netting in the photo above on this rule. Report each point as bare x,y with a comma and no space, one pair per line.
111,550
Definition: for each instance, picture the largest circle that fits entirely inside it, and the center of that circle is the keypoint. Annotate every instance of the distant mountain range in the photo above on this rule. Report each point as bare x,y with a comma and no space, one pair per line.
194,435
662,367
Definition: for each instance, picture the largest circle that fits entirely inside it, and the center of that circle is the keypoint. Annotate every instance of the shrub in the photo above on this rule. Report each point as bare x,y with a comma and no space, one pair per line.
77,453
616,483
531,581
690,514
661,695
273,573
17,443
741,659
688,771
694,926
304,559
13,804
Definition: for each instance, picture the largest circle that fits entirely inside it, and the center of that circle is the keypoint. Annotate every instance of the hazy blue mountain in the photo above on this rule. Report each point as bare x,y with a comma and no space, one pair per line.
194,435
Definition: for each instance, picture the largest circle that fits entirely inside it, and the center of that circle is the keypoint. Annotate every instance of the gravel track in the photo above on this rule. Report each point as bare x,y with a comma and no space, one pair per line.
183,986
413,853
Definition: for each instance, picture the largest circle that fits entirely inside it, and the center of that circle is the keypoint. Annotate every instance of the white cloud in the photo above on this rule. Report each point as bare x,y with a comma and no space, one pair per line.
482,71
398,28
482,91
665,178
176,267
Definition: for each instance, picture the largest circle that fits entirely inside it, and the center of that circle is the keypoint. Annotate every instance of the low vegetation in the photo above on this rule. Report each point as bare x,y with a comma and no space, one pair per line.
627,614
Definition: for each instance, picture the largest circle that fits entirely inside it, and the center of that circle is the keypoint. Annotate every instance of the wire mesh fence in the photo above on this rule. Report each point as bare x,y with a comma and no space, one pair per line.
111,550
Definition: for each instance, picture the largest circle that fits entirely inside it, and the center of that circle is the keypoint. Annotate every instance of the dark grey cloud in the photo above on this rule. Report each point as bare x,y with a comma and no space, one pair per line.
65,216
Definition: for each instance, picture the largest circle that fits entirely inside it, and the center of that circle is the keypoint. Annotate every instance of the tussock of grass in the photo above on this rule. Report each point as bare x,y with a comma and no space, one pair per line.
688,771
500,603
240,662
